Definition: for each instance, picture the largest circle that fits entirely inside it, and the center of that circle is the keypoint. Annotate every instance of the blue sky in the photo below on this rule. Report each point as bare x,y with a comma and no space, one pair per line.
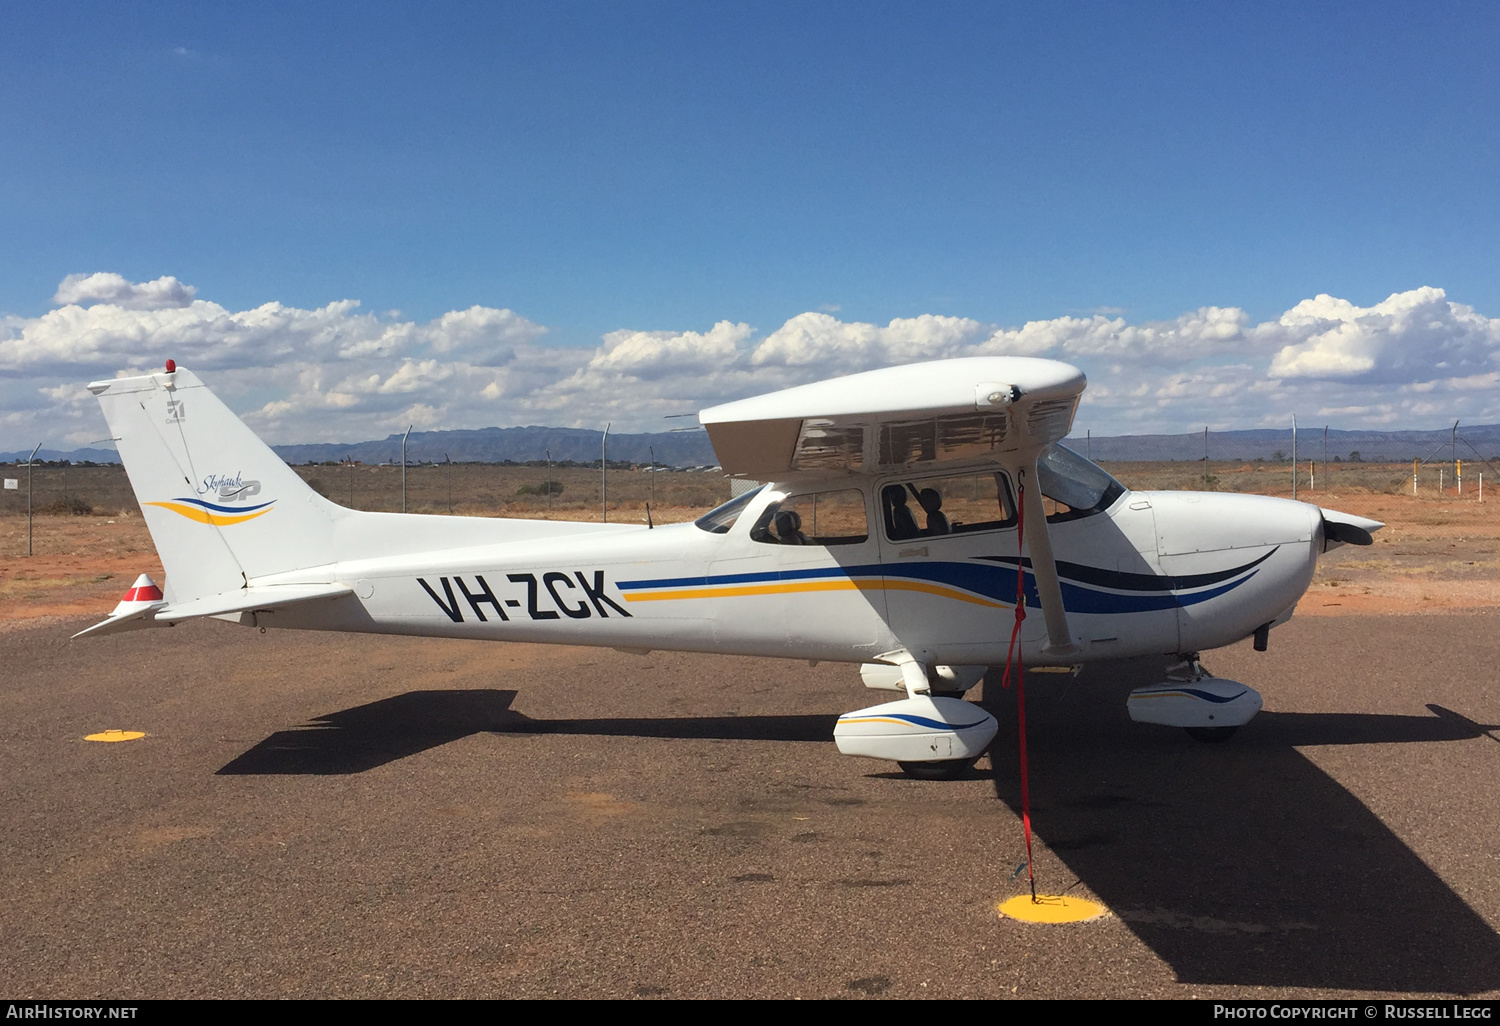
601,168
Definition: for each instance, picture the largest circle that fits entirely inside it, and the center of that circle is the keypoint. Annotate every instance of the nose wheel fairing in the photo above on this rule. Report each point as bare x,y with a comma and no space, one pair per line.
919,729
1209,708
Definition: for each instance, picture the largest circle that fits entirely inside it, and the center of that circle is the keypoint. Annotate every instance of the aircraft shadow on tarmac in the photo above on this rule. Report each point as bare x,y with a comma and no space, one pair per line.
367,736
1243,863
1239,864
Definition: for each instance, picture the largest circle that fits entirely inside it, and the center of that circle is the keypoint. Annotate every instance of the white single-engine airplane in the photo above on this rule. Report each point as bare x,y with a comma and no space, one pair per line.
899,507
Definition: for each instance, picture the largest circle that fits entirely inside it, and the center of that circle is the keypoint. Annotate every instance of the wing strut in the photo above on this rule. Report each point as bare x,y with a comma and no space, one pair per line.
1044,567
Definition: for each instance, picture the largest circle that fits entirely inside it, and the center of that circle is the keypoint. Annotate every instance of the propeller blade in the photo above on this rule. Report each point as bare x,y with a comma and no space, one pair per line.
1347,529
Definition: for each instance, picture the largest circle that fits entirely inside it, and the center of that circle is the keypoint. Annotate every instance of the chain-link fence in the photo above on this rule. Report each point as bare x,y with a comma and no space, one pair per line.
482,489
1452,464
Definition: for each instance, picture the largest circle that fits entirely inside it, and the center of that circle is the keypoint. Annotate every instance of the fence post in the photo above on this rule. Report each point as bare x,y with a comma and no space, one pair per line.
29,461
403,466
1294,456
1453,444
604,474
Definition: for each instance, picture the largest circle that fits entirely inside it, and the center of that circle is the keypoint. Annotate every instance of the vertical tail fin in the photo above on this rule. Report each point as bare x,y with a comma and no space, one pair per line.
222,508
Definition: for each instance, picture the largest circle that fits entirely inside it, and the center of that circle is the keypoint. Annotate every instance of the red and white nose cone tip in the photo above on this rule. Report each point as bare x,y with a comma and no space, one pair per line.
142,594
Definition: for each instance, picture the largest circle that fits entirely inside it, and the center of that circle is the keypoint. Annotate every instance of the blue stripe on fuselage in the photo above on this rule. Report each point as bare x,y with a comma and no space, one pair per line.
994,582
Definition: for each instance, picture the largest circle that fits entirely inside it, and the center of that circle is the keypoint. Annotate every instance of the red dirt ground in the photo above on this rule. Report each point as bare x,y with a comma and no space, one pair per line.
1435,555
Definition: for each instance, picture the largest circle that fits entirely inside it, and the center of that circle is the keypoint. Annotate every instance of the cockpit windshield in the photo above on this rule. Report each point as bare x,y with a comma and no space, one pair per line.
721,518
1078,486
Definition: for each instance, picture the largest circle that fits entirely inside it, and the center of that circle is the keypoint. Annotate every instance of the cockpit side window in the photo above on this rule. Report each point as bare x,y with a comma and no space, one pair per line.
1073,487
814,518
955,504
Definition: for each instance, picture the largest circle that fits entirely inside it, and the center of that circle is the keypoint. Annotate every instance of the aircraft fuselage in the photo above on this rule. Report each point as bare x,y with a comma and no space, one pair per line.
1154,573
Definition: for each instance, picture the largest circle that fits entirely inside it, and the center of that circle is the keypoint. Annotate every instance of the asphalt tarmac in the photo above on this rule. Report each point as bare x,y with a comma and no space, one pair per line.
340,816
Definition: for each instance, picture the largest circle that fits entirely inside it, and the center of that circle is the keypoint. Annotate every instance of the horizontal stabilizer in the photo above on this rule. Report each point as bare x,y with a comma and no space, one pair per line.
117,623
265,596
243,600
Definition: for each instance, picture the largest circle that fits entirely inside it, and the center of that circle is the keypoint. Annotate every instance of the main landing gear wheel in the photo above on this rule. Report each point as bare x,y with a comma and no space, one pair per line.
944,769
1210,735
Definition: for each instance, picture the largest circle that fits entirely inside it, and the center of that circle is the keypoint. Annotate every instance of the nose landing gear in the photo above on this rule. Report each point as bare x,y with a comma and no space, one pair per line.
1209,708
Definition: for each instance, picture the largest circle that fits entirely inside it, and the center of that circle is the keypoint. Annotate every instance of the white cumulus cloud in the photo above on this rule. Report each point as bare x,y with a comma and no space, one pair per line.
816,339
652,354
106,287
1411,336
338,373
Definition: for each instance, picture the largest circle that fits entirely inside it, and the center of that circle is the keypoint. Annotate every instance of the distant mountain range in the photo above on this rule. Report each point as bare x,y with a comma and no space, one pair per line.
691,448
484,445
517,444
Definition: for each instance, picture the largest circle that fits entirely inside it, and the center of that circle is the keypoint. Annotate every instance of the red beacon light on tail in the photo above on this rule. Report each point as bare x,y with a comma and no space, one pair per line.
171,366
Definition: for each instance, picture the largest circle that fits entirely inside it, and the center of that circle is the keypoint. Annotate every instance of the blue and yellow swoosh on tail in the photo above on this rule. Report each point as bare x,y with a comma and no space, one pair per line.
979,582
212,513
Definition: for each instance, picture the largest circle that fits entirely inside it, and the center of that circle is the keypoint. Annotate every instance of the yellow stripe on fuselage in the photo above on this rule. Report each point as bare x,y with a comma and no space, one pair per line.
942,592
793,587
203,516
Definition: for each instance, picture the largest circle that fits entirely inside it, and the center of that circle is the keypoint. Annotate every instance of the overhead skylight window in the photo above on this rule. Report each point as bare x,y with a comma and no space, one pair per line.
824,445
957,437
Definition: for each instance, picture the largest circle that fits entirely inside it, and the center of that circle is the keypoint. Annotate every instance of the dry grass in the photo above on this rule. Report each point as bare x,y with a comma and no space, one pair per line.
1262,478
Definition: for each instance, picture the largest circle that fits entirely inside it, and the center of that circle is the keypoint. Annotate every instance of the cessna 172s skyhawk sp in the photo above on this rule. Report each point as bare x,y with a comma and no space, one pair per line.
886,534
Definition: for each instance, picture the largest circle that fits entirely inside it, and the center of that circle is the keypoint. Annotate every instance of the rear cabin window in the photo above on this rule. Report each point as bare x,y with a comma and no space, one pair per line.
956,504
815,518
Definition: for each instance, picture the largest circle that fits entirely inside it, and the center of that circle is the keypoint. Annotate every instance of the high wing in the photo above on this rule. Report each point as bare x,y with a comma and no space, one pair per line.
966,410
1001,409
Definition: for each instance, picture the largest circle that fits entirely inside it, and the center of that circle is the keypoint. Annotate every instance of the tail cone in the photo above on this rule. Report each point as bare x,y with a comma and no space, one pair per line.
143,594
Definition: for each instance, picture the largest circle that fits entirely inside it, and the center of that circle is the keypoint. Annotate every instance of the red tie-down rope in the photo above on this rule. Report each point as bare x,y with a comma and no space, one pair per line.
1013,658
